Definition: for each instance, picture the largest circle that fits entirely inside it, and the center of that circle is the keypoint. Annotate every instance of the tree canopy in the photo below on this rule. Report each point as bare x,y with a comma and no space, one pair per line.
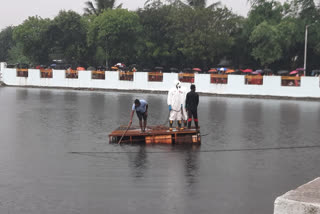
116,32
6,43
98,6
31,36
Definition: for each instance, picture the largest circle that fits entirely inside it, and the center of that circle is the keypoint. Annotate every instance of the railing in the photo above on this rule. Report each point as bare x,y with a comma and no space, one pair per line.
46,73
219,78
183,77
71,74
22,72
254,80
127,76
155,77
98,75
290,81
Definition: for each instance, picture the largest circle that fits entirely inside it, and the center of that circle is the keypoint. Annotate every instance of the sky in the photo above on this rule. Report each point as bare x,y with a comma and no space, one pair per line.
14,12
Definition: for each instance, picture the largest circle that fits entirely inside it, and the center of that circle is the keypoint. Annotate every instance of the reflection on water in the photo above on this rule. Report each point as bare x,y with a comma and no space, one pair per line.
45,95
191,159
252,116
138,162
55,156
289,124
21,95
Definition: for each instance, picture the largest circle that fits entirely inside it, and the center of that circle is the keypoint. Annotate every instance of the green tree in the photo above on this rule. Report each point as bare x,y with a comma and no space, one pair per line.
265,39
306,13
6,43
201,4
16,55
157,41
263,13
32,36
117,32
203,36
264,10
305,9
98,6
67,34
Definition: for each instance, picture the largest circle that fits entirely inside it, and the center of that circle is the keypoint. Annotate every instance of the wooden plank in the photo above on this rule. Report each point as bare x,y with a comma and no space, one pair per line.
22,69
155,74
136,132
181,75
144,134
290,78
127,73
98,72
224,76
46,70
69,71
254,77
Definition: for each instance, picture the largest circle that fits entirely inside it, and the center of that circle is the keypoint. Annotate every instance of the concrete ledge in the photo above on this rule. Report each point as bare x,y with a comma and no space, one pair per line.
303,200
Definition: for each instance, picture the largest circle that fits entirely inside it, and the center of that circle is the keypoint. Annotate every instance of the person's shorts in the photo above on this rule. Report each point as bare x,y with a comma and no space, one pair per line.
141,115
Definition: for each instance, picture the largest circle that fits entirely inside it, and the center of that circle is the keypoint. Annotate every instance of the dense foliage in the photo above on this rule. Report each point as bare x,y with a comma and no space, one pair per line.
6,43
173,34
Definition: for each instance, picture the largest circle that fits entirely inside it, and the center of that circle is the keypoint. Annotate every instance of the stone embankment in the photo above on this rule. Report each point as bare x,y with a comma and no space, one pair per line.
303,200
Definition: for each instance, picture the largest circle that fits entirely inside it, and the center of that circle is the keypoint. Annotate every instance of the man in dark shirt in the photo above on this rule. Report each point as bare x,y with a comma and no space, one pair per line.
192,102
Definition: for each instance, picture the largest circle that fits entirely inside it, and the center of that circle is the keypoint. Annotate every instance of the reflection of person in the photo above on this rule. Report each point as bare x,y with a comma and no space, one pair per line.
141,108
175,104
192,102
138,162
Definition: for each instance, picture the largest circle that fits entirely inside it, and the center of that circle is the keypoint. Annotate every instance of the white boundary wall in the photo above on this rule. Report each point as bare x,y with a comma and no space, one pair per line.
3,65
236,83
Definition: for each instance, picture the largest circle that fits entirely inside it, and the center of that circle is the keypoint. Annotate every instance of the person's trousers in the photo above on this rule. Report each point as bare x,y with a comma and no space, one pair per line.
192,114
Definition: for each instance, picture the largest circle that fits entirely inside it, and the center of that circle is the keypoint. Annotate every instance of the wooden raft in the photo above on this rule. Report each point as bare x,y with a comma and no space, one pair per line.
156,135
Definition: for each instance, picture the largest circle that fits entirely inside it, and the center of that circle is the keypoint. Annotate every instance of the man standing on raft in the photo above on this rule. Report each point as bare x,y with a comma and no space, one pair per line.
175,104
192,102
141,108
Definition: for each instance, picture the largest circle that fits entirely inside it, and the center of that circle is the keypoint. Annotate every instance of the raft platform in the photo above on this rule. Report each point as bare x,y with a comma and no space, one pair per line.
155,135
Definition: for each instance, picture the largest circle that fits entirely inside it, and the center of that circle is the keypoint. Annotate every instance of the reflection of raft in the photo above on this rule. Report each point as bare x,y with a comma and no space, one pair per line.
155,135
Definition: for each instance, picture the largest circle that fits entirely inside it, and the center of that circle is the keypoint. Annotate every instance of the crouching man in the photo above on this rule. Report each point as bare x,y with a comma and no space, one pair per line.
141,108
